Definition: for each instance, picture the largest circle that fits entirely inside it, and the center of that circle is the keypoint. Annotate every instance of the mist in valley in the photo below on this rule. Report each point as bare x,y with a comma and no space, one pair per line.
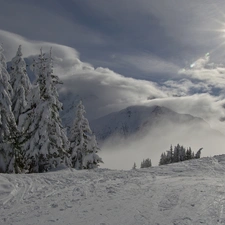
121,153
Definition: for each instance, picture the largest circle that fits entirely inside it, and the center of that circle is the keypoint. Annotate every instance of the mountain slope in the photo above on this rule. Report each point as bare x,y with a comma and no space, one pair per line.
187,193
140,120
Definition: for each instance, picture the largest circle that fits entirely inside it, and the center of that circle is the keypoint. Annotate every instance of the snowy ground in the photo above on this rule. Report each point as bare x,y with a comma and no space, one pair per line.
191,192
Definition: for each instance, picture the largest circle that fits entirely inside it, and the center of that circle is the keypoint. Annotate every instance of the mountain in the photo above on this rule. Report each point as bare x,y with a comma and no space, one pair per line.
141,120
187,193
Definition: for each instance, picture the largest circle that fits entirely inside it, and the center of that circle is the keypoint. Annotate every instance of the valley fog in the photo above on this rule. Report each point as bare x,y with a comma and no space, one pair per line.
121,153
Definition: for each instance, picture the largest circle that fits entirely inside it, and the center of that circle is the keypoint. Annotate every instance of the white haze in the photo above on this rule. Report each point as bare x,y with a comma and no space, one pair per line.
121,153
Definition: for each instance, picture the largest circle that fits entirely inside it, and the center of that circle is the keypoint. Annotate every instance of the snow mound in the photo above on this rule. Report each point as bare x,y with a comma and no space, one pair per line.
190,192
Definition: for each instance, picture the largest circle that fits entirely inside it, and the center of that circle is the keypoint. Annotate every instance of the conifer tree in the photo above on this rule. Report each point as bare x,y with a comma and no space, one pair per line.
134,166
178,154
146,163
171,155
8,129
20,83
189,154
83,145
182,154
46,143
198,154
163,159
176,157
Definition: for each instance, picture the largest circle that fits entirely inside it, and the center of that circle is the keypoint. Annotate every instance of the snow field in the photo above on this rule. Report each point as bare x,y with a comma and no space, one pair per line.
191,192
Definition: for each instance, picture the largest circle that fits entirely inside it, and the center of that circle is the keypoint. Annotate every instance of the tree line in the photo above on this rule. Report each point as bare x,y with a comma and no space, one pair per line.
32,138
178,154
175,154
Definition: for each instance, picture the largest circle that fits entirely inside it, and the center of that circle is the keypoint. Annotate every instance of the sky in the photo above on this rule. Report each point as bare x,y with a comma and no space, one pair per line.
145,39
127,52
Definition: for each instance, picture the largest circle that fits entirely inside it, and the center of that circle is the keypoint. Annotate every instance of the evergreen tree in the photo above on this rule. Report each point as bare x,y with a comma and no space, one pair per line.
146,163
198,154
163,159
83,145
46,144
176,157
182,153
20,84
8,129
134,166
189,154
171,155
28,125
178,154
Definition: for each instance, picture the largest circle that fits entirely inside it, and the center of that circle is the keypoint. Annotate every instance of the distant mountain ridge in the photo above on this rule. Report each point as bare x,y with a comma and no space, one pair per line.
139,120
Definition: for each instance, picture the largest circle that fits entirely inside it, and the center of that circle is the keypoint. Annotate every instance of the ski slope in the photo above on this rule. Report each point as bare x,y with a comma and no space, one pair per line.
191,192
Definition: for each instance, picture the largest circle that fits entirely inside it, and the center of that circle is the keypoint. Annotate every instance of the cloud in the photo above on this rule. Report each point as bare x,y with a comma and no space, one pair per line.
207,74
184,87
171,29
151,64
122,153
105,91
205,106
11,42
112,91
42,20
170,32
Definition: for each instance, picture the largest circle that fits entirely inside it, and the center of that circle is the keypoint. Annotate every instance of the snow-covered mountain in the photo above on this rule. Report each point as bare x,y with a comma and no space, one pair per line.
187,193
141,120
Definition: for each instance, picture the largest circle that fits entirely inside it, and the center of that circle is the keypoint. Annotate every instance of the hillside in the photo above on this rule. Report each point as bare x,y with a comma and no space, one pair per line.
141,120
187,193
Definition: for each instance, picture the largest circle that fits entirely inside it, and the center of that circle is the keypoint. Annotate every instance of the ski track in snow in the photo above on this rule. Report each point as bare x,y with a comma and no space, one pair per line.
187,193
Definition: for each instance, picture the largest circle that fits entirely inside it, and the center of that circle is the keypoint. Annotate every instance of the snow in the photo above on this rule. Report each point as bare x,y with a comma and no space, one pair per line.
191,192
140,120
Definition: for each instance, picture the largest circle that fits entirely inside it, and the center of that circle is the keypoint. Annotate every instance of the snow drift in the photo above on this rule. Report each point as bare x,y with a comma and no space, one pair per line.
187,193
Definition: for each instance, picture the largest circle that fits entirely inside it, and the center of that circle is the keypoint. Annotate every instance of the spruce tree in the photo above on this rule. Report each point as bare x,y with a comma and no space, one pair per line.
46,143
179,153
83,145
171,154
146,163
134,166
163,159
176,157
8,129
189,154
198,154
20,84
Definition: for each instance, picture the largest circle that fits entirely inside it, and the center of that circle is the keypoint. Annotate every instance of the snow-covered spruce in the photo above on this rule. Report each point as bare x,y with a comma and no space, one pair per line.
8,129
46,144
83,145
20,83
